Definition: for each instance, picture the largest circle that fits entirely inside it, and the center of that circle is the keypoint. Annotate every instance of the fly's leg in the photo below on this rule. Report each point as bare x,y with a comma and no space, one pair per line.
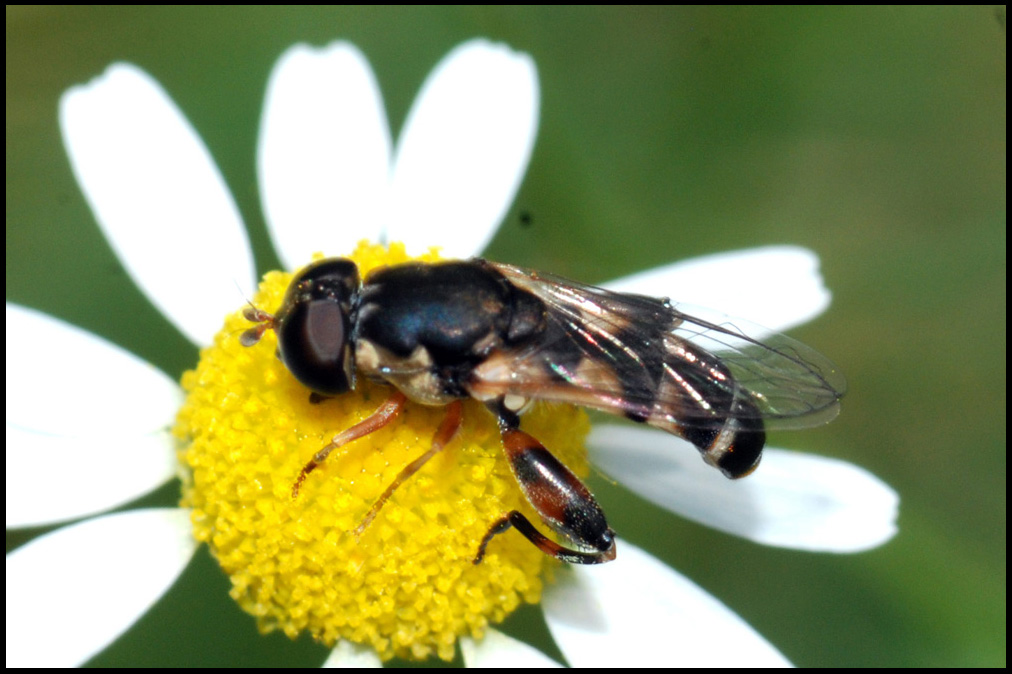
444,434
383,415
516,519
561,499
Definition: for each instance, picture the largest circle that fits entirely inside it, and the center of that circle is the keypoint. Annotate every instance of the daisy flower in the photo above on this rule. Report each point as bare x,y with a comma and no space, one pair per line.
330,176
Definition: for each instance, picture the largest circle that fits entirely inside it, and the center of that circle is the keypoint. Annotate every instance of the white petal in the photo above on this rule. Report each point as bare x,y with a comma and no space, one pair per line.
72,592
64,381
55,478
792,500
324,152
464,149
158,197
347,655
777,287
637,612
498,650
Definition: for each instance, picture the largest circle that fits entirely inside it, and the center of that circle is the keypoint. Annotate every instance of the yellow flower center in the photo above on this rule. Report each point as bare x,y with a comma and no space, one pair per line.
407,586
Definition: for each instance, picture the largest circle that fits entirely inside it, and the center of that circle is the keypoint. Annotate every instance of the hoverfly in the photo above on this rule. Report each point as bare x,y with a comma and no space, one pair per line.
440,333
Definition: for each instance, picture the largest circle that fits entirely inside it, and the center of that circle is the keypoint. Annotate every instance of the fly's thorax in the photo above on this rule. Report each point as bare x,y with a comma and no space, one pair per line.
424,327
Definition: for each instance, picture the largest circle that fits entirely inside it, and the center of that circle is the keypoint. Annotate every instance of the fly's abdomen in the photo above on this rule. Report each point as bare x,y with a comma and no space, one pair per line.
698,399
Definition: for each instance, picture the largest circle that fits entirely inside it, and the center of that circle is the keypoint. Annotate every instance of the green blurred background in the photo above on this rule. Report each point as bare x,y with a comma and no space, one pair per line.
876,137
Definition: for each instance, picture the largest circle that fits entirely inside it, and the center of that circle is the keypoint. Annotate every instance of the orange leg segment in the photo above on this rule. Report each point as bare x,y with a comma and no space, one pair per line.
386,413
444,434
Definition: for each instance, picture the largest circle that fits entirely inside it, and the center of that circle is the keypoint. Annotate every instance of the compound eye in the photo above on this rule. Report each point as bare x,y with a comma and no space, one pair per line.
313,344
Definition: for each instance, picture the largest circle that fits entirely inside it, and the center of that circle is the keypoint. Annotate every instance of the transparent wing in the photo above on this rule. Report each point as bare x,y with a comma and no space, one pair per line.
643,357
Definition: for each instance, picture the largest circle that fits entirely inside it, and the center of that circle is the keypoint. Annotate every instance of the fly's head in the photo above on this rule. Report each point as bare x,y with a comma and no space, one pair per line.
315,326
